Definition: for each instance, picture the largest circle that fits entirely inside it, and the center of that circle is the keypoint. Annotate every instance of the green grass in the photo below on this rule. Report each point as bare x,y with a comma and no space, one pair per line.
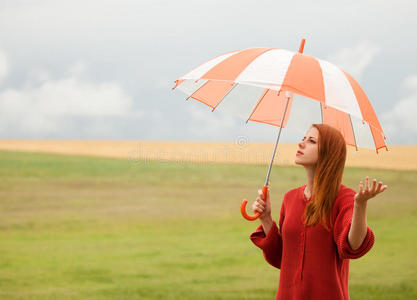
74,227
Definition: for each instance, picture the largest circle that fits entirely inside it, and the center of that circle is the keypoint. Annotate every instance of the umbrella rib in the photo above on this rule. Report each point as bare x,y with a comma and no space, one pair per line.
235,84
191,96
263,95
353,131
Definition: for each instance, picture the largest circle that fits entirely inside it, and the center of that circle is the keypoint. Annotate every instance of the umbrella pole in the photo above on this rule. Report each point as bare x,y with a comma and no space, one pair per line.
265,187
276,143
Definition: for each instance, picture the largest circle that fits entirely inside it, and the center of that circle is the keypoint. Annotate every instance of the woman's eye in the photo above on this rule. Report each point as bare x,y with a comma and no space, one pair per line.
308,140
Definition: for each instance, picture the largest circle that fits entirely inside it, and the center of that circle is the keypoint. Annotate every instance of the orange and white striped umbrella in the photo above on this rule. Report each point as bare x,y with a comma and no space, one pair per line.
259,83
251,83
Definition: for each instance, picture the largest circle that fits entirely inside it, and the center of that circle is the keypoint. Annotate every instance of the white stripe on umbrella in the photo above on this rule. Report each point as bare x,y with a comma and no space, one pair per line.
230,68
189,86
267,69
338,91
363,133
204,68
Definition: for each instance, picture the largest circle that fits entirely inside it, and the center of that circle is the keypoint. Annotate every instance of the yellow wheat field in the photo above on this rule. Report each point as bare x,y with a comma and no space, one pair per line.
397,158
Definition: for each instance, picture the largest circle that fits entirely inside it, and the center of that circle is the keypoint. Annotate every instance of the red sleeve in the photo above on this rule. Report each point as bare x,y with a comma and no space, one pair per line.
271,244
342,227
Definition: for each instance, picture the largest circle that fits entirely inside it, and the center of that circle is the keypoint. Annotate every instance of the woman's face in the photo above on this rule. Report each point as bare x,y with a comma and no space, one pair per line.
307,153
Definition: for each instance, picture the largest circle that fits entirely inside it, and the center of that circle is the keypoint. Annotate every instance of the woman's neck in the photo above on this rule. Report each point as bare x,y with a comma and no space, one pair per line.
310,181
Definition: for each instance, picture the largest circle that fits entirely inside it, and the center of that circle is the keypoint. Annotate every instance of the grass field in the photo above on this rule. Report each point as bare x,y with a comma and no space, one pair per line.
75,227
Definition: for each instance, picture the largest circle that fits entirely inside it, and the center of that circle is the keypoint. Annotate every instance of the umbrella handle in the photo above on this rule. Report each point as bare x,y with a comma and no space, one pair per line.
243,206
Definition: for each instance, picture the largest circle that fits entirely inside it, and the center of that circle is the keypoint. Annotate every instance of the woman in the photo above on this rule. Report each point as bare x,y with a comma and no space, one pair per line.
322,224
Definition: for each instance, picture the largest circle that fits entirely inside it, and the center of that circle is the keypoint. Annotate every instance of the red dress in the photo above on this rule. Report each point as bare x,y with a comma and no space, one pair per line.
314,263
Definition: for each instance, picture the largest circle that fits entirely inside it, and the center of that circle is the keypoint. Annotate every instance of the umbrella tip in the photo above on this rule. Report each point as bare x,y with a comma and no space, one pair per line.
301,49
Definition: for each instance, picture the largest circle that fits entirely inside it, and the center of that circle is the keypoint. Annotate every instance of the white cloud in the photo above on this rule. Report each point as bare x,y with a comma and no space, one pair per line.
48,106
400,121
354,60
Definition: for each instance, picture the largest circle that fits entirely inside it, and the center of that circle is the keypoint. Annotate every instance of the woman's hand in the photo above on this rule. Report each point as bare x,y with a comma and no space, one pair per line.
365,192
262,206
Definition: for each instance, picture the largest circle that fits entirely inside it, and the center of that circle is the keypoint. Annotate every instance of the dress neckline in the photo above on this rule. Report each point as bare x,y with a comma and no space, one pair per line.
304,196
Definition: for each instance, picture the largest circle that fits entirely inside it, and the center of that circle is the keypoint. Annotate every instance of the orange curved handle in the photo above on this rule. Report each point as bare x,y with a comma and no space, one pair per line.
243,207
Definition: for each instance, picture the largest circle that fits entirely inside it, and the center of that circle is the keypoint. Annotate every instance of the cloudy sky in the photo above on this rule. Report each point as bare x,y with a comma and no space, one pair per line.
104,69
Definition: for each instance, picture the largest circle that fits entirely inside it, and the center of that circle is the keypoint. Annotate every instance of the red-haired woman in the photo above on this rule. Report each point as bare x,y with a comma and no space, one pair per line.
322,224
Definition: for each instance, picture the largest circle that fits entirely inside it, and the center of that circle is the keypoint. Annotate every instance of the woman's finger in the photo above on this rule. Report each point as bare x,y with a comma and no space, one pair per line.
261,206
261,202
373,186
258,209
367,184
378,188
360,187
261,194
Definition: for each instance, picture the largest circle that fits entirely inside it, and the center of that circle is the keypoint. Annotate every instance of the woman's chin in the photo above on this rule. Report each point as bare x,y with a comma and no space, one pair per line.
300,162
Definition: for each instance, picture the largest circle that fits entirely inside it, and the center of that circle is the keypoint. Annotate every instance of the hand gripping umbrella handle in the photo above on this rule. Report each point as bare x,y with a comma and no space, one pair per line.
243,206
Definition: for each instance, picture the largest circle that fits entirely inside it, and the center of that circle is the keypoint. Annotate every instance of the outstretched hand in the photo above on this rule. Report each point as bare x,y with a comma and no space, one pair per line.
365,192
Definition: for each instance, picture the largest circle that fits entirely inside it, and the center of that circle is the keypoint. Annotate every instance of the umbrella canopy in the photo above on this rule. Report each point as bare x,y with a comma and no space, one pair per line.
258,84
250,82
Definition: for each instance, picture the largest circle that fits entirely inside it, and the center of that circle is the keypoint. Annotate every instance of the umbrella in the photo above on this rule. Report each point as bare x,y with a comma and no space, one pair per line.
259,83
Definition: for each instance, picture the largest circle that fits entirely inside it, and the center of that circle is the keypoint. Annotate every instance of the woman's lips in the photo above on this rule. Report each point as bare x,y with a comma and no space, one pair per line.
299,153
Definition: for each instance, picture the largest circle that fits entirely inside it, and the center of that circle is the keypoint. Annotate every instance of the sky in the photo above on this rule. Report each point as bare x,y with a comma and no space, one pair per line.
105,69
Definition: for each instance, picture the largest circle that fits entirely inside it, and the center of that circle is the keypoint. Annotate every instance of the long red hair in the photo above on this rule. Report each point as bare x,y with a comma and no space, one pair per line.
328,175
